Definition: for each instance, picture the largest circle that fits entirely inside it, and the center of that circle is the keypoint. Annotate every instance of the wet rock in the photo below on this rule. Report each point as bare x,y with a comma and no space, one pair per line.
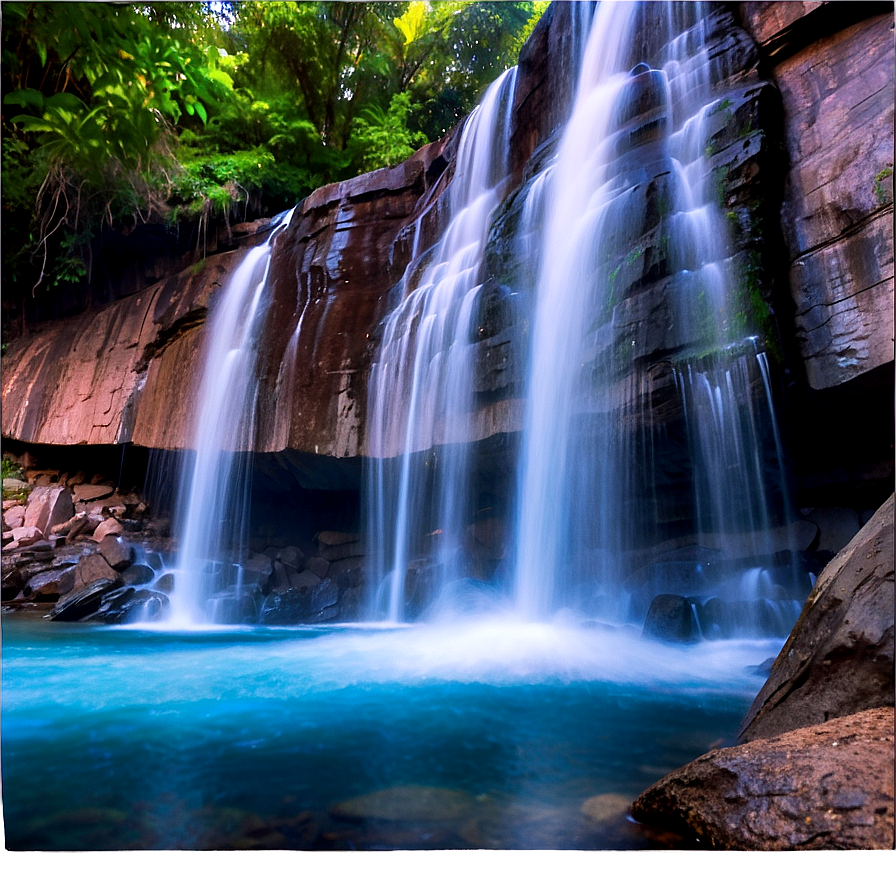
318,566
94,568
107,527
323,601
320,602
138,574
304,579
82,602
116,553
142,605
348,573
280,578
166,583
671,618
839,657
49,585
260,564
827,786
235,608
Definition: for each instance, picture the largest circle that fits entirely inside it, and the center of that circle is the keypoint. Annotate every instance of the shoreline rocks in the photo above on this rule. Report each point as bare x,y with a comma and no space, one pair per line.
827,786
815,768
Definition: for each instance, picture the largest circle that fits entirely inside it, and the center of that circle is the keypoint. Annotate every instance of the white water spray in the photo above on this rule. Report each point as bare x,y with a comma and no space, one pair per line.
421,384
214,481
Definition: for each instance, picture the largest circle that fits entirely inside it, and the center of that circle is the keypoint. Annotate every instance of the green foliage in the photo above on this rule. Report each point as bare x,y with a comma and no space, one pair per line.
383,138
10,469
122,113
98,89
880,185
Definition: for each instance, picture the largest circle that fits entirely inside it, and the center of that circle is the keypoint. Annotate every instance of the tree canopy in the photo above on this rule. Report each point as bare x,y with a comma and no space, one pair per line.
118,113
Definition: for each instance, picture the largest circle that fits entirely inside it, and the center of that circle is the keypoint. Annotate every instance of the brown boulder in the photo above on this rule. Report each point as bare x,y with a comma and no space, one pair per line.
94,568
50,585
86,493
116,553
827,786
48,506
839,657
106,528
14,517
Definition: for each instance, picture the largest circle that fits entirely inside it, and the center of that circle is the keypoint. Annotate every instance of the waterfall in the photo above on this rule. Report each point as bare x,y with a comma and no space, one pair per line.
595,481
421,382
211,516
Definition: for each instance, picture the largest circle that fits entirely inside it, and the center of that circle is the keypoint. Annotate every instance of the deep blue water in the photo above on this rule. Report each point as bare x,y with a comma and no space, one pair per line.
496,732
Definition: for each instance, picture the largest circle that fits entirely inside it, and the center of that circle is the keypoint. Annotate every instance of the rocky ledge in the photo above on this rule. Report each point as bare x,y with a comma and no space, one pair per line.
816,771
827,786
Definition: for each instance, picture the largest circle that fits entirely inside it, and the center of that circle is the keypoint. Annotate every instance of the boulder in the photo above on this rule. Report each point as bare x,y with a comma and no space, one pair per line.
291,556
48,506
50,585
671,618
342,551
827,786
318,566
138,574
85,493
839,657
14,518
94,568
107,527
82,602
116,553
25,535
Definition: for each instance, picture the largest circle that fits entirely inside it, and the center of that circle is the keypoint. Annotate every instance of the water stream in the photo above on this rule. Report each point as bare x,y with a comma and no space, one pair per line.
212,513
424,367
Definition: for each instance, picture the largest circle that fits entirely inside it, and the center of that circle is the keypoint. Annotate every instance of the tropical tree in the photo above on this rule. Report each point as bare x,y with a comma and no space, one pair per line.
119,113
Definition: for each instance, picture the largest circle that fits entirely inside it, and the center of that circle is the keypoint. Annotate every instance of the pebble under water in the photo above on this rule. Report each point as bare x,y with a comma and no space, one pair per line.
487,733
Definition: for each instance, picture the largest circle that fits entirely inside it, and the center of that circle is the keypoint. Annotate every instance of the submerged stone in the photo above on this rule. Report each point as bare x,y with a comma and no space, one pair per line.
409,803
671,617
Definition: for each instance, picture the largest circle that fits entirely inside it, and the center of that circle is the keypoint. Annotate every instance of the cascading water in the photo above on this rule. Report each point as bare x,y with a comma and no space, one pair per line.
420,392
214,481
595,484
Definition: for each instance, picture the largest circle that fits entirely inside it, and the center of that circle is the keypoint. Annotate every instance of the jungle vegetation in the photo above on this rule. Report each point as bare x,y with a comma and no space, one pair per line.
183,115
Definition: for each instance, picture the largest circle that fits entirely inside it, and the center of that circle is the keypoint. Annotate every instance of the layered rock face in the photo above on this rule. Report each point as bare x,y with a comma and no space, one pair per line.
833,65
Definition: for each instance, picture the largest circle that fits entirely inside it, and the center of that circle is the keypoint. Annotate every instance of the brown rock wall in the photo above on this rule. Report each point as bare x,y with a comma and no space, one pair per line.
79,380
838,101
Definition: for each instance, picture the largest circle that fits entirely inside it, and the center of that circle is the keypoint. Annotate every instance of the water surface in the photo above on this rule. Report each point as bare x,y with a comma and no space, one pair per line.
490,733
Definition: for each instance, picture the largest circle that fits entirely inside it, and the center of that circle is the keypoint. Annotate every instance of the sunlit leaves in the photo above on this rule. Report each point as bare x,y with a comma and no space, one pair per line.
412,24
